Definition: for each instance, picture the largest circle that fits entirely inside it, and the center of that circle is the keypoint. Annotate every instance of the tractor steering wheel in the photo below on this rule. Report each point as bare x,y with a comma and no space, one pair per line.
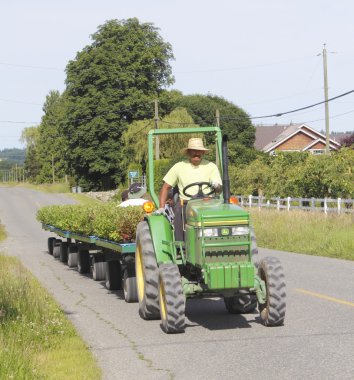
200,193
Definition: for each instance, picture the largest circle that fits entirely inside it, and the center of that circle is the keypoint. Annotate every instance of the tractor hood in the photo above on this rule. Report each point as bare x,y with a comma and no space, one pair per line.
213,212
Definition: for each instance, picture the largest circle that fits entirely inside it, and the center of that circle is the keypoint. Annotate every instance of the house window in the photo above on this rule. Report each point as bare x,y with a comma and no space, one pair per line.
317,151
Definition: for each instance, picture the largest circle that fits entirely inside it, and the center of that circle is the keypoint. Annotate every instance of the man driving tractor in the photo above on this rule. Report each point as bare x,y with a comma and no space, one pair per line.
184,174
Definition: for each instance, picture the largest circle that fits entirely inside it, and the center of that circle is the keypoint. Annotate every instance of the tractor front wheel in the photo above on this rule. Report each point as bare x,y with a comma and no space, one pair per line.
171,299
272,312
147,273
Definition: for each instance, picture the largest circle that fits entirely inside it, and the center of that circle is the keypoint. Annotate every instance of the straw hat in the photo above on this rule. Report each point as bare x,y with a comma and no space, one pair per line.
195,143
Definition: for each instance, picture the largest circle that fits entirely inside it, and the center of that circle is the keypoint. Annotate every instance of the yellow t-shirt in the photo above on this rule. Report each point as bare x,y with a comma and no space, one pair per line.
184,173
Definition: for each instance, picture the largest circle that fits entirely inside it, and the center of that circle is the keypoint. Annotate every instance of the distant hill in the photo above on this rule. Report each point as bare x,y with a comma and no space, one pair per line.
13,156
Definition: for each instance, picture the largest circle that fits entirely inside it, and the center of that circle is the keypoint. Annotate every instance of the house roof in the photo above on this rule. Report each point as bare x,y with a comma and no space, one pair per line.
270,140
268,133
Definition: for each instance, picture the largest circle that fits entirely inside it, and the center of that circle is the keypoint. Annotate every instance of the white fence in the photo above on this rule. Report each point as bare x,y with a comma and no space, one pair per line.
326,205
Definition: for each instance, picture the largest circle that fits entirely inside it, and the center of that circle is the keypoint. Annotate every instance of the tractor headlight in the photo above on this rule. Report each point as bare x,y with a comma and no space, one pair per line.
208,232
235,231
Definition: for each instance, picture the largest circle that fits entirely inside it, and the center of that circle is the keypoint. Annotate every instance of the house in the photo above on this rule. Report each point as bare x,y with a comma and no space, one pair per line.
292,138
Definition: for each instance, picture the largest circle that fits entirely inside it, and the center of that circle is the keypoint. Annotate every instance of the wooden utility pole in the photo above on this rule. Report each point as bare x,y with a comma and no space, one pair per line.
157,153
324,54
217,118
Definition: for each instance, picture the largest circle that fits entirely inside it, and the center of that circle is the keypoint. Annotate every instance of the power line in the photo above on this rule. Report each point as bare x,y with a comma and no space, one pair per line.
30,66
19,101
302,108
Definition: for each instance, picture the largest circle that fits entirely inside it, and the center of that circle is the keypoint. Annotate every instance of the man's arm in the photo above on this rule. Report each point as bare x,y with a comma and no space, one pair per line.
164,194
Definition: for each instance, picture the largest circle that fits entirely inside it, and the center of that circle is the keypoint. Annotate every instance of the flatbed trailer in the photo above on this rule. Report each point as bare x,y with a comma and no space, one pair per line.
109,261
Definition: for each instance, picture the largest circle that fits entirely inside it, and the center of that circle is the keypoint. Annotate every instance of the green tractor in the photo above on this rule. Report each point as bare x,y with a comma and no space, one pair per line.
218,257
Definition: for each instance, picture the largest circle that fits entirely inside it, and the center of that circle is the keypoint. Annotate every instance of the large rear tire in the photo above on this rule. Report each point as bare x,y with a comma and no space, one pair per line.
242,304
272,312
147,273
171,299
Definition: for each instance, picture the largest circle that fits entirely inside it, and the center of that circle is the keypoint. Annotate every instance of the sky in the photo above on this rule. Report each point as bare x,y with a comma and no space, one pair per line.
264,56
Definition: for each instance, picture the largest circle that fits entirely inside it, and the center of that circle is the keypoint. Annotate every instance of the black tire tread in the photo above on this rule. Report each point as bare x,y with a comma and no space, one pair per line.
149,307
175,300
271,270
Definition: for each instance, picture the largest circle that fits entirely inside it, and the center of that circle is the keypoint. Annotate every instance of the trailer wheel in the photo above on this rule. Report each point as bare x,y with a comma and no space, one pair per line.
50,245
147,274
56,248
113,275
63,255
171,299
99,271
272,312
242,304
129,286
72,256
83,261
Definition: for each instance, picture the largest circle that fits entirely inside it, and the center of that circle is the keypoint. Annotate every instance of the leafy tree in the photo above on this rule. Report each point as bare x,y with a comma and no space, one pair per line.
233,120
109,84
29,137
250,179
135,137
51,142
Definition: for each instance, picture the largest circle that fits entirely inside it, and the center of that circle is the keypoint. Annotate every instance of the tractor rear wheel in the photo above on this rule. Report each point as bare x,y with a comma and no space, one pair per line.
171,299
242,304
147,273
272,312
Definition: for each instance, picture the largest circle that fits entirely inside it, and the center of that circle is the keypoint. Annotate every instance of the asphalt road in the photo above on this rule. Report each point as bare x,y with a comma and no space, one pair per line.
316,342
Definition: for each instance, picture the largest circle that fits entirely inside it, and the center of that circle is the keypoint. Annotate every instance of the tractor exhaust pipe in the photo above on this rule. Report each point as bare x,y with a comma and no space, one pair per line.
225,171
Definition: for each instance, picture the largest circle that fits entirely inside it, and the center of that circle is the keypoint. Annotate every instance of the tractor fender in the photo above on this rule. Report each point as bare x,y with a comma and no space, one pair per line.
162,238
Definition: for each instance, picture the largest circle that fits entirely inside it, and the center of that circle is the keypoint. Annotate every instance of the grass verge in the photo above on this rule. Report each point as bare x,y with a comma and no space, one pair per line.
83,199
45,187
36,339
305,232
2,232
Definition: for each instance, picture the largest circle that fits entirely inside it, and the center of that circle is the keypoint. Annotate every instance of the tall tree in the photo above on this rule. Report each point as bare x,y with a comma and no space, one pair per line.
29,137
109,84
51,147
233,120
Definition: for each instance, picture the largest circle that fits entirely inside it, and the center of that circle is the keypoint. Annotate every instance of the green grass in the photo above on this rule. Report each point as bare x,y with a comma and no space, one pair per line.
36,339
45,187
2,232
305,232
83,199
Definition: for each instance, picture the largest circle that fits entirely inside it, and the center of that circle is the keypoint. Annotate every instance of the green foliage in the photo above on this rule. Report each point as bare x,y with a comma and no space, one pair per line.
161,168
36,339
107,221
109,84
51,144
233,120
30,137
305,232
135,137
297,174
14,156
